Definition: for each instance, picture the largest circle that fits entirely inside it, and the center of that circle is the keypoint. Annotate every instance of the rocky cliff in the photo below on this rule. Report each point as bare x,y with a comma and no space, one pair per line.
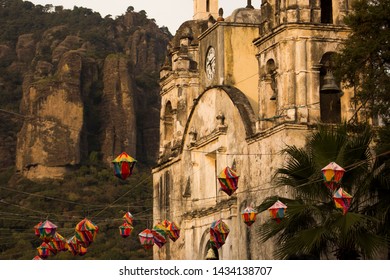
77,94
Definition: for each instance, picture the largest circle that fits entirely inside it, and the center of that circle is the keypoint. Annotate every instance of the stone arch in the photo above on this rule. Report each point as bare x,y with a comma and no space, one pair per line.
205,246
330,103
240,102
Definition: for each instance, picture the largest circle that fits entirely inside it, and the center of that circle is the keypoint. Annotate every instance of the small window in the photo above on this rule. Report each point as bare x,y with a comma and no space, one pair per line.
168,122
326,11
208,6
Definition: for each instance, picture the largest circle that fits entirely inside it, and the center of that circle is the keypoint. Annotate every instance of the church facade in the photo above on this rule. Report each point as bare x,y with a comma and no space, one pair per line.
235,91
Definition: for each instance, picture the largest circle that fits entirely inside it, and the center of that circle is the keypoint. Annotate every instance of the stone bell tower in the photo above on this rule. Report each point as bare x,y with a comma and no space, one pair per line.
204,8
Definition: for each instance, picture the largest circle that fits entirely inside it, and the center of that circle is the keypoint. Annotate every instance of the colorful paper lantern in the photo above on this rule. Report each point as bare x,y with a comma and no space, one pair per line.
128,218
45,250
228,180
173,230
123,165
342,200
58,242
277,211
249,216
82,251
332,174
146,239
73,246
36,229
47,230
86,232
160,235
125,230
219,231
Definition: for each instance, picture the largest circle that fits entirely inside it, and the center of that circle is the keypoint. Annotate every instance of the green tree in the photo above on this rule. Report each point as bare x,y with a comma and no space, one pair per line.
313,227
364,62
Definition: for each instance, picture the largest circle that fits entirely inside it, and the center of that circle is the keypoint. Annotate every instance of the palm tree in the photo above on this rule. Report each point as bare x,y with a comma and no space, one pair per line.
313,228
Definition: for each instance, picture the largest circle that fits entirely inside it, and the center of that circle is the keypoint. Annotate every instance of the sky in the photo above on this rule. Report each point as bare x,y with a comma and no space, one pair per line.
160,10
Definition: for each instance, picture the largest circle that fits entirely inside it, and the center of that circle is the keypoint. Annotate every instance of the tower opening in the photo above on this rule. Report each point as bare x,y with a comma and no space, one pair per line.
330,103
208,6
326,11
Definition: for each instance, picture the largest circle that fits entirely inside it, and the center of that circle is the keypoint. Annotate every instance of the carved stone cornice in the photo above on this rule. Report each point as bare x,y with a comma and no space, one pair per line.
203,212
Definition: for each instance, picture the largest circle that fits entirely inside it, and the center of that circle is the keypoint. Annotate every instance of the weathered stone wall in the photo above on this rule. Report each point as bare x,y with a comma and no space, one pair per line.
264,95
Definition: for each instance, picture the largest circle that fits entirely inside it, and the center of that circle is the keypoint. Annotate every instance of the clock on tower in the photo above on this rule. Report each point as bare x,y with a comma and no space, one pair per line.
210,63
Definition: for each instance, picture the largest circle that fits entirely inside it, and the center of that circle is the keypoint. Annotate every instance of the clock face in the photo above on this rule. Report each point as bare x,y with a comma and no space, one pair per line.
210,63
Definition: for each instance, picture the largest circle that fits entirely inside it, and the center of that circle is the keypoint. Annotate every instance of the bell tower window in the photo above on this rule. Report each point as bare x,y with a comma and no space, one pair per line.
330,93
326,11
208,6
168,122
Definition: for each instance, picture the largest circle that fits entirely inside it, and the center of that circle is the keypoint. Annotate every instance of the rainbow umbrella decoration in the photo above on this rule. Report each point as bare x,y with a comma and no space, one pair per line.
277,211
228,180
86,232
332,174
219,231
128,218
123,165
146,238
342,200
173,230
125,230
160,235
249,216
45,250
47,230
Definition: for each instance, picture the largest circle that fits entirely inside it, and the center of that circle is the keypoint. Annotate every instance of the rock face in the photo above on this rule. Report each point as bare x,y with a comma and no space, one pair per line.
49,141
118,109
81,94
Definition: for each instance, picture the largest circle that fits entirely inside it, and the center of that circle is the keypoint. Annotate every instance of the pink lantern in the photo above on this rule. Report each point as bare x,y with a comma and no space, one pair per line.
47,230
332,174
277,211
146,239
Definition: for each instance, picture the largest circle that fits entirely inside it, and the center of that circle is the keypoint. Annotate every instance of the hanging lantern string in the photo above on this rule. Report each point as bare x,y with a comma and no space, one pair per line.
348,168
259,188
120,197
352,166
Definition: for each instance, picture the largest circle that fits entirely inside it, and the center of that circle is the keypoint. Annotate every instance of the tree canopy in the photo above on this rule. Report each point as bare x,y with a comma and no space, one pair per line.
364,62
313,227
